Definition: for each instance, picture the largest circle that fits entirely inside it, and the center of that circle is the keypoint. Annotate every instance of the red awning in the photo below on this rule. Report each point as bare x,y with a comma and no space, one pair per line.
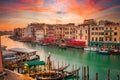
28,38
76,43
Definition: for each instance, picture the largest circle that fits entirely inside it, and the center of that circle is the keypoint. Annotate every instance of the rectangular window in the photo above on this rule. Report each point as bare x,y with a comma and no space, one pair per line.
85,31
115,28
102,28
114,39
105,39
92,33
100,39
92,39
115,33
106,33
96,39
96,28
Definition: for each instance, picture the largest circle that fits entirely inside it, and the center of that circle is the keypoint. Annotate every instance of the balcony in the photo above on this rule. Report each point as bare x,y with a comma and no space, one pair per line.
108,30
108,36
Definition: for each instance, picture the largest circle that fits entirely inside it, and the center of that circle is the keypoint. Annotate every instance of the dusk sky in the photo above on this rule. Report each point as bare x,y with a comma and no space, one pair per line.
19,13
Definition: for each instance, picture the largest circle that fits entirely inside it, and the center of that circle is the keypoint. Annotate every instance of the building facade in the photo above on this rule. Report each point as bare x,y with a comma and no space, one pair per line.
50,32
105,31
39,34
59,32
82,33
69,31
64,31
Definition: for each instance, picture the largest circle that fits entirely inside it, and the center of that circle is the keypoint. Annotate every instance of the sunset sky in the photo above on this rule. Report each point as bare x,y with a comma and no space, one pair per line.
19,13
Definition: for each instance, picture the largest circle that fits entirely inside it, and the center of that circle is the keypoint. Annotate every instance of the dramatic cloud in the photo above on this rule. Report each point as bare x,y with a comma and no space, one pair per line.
17,13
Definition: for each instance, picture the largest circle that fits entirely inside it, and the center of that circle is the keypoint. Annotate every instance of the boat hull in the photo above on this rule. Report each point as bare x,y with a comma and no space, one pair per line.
103,52
114,52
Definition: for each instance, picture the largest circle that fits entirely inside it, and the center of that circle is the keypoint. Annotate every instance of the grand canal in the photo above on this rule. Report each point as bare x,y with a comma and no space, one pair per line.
97,63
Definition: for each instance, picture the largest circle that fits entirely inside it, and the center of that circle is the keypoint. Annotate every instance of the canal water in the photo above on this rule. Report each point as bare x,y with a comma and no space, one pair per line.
96,62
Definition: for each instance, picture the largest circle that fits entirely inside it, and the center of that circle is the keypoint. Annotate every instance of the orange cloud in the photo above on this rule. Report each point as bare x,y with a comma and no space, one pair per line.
23,5
27,1
88,8
82,10
35,9
60,1
39,1
10,25
94,2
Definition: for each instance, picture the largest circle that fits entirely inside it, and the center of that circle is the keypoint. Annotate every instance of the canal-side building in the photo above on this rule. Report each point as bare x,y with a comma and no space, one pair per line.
17,32
39,34
69,31
24,32
59,32
50,32
45,27
82,33
105,31
64,31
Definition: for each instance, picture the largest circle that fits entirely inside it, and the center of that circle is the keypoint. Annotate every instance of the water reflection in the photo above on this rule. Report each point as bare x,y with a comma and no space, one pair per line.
98,63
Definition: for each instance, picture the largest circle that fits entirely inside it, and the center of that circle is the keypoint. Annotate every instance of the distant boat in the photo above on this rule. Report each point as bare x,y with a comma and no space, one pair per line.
114,51
90,49
104,52
62,45
87,48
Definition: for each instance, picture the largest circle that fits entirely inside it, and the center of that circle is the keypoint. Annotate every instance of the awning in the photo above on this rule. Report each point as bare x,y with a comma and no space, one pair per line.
106,43
34,63
10,58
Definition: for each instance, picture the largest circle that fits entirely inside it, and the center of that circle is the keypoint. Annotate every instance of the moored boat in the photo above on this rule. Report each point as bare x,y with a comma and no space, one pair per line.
62,45
114,51
90,49
94,49
87,48
103,52
41,70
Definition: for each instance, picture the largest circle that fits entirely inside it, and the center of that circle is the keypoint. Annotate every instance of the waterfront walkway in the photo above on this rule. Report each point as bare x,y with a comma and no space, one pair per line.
11,75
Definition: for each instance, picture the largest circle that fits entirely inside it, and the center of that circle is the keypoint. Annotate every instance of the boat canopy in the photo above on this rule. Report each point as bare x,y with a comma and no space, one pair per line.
8,53
22,50
34,63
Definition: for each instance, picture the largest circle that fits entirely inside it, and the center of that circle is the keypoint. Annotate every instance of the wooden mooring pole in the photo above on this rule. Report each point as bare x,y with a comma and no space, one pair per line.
108,74
87,72
96,76
84,73
73,70
78,75
118,78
